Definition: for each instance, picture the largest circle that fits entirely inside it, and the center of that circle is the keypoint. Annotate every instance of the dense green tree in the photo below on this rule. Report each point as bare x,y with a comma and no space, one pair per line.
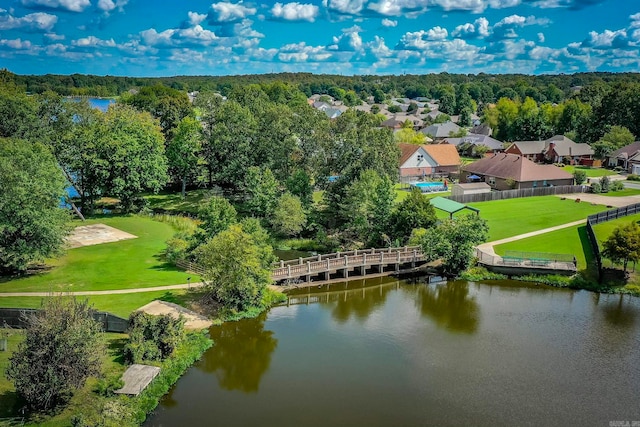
216,214
261,192
135,154
168,105
367,207
616,137
183,151
152,337
234,273
575,115
63,346
452,241
288,217
378,95
447,101
17,113
415,211
299,184
623,245
409,136
579,176
32,226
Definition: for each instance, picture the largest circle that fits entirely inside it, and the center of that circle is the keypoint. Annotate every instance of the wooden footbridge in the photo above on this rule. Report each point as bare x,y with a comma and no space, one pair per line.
360,262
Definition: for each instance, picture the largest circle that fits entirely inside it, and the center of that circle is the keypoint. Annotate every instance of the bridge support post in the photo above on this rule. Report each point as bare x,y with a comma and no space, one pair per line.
281,263
299,260
308,276
288,272
413,261
345,273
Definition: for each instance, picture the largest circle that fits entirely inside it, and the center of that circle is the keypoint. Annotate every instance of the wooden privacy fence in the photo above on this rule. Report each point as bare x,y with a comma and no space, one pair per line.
604,217
15,318
523,192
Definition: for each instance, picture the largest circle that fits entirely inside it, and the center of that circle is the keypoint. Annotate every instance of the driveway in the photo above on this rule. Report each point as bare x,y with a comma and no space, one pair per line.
598,199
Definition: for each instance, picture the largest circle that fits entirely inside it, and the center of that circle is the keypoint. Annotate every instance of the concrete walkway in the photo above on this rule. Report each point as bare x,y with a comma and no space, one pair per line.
112,292
488,247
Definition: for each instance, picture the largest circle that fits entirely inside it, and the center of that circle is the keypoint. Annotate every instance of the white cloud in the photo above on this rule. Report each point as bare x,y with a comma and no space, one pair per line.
17,44
93,41
224,12
541,37
349,41
54,36
421,40
389,23
470,5
479,29
70,5
348,7
176,37
37,21
300,52
606,39
295,11
196,18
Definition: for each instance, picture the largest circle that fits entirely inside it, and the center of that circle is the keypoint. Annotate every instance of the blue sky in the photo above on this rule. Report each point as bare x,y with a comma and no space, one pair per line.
197,37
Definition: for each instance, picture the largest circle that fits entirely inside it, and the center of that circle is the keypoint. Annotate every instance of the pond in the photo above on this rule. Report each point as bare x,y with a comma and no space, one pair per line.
384,352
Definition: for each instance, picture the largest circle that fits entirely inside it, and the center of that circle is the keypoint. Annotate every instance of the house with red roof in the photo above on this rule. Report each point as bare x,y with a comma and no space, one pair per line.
428,160
512,171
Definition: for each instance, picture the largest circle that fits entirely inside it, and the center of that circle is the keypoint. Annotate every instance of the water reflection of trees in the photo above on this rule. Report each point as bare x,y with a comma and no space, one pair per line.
241,354
360,303
450,306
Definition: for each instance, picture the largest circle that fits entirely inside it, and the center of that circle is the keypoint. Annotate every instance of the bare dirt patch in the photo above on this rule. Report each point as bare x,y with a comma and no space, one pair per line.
618,202
193,319
95,234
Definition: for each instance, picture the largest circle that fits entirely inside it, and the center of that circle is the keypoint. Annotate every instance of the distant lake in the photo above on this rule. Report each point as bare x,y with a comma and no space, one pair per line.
101,104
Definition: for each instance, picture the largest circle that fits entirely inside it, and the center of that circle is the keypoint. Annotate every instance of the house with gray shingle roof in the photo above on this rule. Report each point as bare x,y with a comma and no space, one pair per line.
440,131
467,144
625,157
556,149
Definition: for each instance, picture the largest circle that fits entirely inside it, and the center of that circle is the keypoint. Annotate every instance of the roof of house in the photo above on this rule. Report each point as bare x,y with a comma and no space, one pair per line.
530,147
515,167
566,147
406,151
443,154
625,152
441,130
482,129
474,139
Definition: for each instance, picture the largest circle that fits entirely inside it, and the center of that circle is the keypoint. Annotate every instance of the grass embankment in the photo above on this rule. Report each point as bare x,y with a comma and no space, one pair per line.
507,218
173,202
134,263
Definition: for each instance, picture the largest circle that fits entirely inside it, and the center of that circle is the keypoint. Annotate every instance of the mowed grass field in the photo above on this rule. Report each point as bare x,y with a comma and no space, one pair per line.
591,172
134,263
512,217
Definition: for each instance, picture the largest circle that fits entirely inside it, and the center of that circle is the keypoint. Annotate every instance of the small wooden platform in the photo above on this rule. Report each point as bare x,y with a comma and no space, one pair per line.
137,378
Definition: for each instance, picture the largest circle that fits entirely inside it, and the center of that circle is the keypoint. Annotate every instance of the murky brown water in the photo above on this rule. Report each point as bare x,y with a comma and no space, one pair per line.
388,353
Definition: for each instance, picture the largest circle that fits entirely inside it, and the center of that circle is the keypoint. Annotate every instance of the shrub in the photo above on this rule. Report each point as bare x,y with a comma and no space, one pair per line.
480,273
616,186
62,348
605,182
580,176
633,177
152,337
596,187
177,250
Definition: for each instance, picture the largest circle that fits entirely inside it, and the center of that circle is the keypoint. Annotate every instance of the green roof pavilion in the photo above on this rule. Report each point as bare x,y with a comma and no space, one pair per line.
450,206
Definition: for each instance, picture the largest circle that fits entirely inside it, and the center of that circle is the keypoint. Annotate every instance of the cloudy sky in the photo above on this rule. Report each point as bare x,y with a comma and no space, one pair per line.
186,37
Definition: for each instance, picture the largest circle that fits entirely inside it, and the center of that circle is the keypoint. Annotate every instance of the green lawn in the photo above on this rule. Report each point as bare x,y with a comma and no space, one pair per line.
174,201
120,304
512,217
604,230
571,240
591,172
135,263
622,193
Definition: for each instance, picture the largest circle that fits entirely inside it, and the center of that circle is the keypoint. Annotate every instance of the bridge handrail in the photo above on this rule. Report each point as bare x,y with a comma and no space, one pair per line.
335,255
347,261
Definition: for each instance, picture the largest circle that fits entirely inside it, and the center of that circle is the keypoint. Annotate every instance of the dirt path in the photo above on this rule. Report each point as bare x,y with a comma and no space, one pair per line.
618,202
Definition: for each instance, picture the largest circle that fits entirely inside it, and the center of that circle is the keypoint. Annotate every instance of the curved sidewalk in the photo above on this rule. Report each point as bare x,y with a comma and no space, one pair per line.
488,247
112,292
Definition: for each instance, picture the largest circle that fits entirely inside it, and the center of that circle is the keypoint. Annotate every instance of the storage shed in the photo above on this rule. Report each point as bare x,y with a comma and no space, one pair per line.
470,188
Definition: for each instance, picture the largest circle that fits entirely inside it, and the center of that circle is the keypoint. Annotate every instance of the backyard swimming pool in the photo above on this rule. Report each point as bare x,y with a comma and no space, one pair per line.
429,186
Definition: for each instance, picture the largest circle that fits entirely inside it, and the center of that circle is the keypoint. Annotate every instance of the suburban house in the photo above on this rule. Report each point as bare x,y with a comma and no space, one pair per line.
398,120
440,131
627,157
510,171
428,160
557,149
482,129
466,145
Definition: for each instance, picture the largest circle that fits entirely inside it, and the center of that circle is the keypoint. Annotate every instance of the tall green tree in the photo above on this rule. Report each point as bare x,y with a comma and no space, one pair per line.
288,217
63,346
18,113
234,273
166,104
32,225
183,151
452,241
216,214
135,154
415,211
261,192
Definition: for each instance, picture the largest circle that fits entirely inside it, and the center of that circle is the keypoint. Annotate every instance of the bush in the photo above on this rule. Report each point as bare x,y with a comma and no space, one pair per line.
62,348
605,183
475,274
616,186
177,250
633,177
152,337
596,187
